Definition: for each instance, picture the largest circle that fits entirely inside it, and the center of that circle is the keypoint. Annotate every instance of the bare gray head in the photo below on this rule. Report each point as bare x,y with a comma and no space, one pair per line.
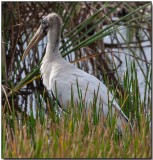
54,24
53,20
51,26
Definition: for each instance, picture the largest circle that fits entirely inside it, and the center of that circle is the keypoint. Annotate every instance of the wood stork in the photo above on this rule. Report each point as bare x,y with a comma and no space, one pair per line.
61,78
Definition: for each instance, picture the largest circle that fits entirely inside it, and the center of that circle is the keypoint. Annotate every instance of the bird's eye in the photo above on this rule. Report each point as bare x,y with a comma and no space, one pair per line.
42,21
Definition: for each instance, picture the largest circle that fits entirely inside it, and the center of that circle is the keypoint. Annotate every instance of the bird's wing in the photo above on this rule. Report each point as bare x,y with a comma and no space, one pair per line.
86,82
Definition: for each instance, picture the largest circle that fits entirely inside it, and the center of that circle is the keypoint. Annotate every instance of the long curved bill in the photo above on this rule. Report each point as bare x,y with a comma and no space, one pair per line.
36,38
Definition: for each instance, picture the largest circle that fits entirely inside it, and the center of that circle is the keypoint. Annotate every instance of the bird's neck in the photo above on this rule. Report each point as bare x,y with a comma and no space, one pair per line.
53,42
51,57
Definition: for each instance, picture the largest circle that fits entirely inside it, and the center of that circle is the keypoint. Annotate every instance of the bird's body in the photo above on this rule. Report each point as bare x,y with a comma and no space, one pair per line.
67,78
62,78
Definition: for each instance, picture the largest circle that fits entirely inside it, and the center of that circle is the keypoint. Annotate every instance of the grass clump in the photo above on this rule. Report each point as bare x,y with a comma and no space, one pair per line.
73,137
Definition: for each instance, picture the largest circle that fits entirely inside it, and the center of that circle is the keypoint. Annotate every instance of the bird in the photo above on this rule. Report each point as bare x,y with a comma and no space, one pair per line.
61,78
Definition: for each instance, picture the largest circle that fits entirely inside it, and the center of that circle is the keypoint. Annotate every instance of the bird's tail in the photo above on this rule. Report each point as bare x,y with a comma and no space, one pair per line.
123,124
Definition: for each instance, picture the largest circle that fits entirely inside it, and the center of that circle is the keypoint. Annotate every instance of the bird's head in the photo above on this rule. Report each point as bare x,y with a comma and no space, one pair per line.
51,21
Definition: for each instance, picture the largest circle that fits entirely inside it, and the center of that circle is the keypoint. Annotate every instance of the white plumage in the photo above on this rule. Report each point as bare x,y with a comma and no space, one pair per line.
55,69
